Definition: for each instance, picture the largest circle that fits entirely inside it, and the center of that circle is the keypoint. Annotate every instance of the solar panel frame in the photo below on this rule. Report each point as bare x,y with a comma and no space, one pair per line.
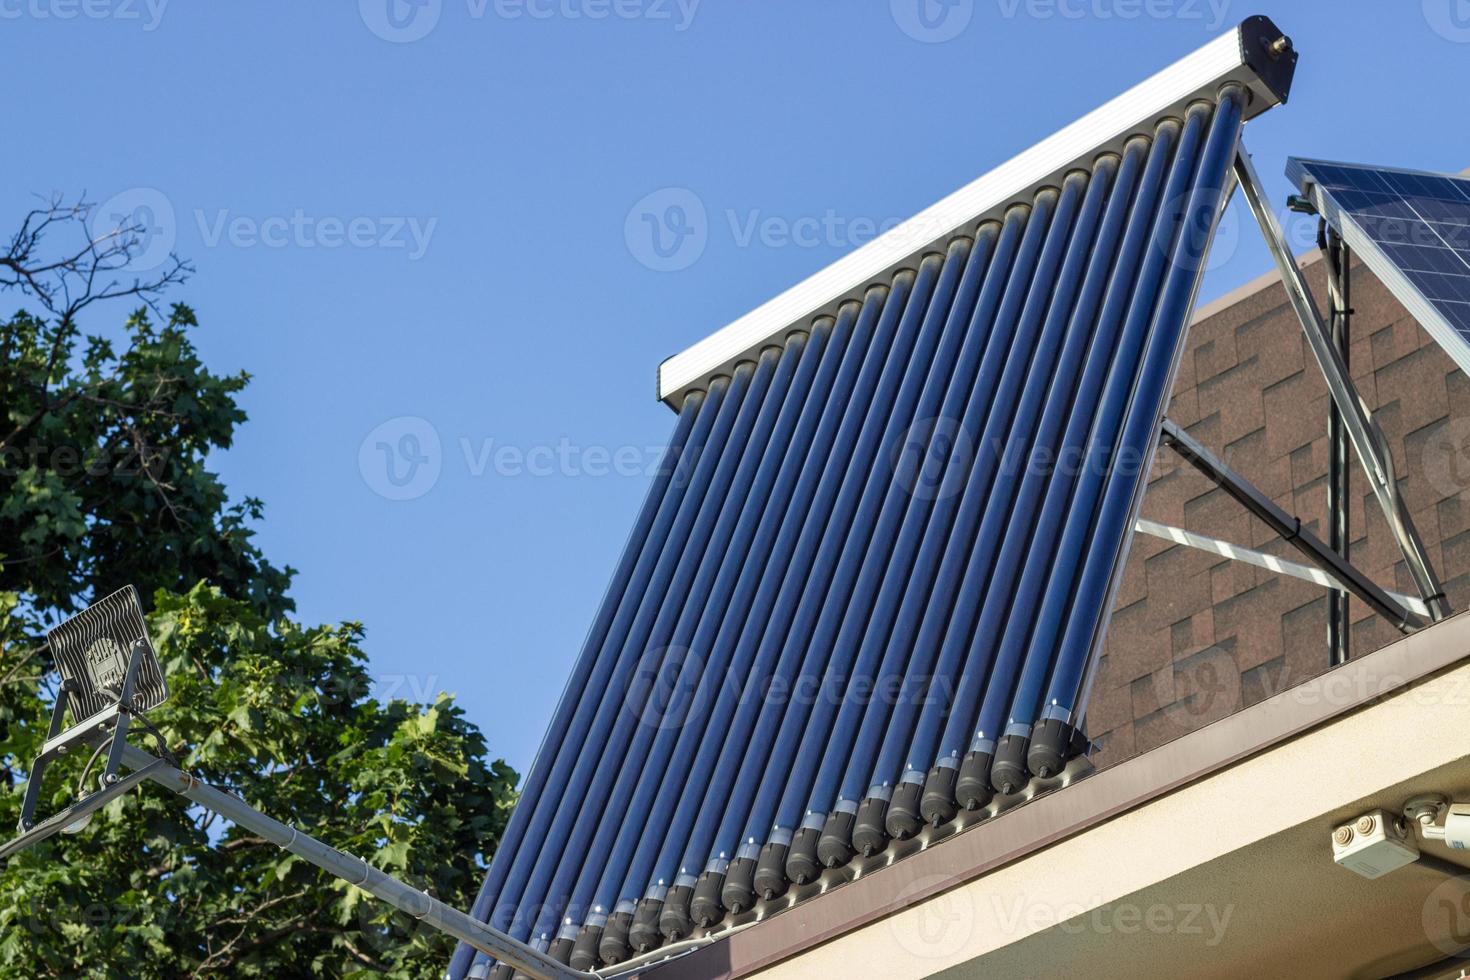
1411,228
514,881
1251,55
592,844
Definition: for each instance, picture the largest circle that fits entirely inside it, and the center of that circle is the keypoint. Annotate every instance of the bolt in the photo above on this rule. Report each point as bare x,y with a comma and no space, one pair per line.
1366,824
1278,47
111,778
1342,835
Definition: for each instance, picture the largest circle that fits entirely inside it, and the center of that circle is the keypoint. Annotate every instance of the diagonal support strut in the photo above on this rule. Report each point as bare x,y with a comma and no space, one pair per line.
1261,559
1367,439
1289,528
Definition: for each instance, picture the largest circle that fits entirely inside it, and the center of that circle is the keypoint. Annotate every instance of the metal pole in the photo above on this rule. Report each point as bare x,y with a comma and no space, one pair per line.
416,903
1367,439
1339,486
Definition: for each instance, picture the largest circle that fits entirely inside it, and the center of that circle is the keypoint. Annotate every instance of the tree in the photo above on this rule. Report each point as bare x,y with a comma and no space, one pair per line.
102,453
103,481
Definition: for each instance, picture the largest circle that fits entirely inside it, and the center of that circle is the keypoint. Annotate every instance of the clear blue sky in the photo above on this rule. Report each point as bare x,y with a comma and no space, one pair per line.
390,226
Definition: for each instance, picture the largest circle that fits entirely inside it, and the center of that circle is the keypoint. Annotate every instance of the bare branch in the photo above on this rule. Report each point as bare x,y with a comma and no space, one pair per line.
67,281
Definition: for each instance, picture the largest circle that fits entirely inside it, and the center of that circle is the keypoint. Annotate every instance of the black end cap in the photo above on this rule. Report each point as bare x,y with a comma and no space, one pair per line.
834,848
904,819
614,947
869,833
674,921
738,892
705,908
1008,772
584,950
802,863
561,949
938,803
1049,744
643,934
1269,53
770,871
972,787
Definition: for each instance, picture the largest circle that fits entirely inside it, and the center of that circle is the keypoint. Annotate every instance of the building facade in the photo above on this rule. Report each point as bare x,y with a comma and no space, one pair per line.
1195,637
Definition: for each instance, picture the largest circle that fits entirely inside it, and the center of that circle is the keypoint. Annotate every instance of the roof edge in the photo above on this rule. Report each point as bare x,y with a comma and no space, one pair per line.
969,854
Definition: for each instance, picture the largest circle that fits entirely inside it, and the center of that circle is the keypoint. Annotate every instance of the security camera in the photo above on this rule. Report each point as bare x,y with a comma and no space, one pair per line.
1457,826
1439,819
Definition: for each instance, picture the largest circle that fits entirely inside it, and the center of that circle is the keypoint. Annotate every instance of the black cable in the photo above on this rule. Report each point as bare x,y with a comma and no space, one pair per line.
87,769
149,727
1433,862
152,729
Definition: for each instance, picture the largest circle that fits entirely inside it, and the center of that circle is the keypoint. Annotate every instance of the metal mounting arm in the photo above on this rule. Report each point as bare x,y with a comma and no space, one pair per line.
419,904
1339,466
416,903
1367,439
1261,559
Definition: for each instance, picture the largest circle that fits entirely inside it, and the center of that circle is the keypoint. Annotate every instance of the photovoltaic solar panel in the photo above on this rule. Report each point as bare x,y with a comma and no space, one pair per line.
1412,229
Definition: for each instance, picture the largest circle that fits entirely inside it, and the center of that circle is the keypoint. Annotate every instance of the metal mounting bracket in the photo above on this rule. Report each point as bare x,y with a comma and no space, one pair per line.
1339,465
111,722
1357,418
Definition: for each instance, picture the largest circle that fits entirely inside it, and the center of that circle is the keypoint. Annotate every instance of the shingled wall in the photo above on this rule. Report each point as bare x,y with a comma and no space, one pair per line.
1195,637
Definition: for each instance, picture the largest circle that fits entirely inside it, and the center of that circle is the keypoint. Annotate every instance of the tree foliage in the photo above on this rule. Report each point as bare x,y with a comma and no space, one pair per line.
104,481
103,466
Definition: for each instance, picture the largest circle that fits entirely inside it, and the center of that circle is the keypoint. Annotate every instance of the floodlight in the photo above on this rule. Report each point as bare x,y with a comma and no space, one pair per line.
94,649
110,677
